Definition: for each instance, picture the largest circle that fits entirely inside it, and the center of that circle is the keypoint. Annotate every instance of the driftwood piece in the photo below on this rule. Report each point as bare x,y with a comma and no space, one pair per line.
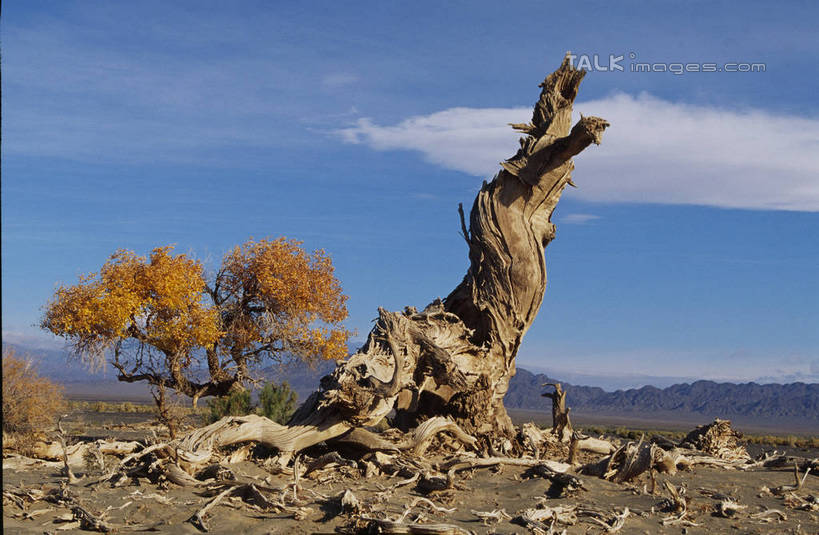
797,482
178,476
237,429
595,445
198,518
326,459
13,461
424,433
768,514
728,508
76,453
562,482
536,519
631,460
72,479
614,524
465,463
677,505
785,461
491,517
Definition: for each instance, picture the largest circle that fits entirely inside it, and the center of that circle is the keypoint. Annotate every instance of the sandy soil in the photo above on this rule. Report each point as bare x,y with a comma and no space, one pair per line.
481,490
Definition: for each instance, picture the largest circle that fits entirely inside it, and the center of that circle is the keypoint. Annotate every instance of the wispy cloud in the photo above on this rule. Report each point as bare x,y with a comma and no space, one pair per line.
656,151
337,80
69,97
578,219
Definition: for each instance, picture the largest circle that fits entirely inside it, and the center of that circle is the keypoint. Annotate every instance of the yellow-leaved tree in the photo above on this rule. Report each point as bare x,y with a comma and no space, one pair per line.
159,320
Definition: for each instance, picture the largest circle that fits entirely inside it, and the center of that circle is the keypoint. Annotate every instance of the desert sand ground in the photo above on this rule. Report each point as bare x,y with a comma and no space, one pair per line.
142,506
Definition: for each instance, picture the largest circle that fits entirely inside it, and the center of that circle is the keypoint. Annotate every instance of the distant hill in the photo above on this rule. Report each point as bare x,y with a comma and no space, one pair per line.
791,402
794,400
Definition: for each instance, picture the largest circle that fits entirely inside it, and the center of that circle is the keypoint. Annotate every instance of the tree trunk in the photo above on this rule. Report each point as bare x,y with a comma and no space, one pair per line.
456,357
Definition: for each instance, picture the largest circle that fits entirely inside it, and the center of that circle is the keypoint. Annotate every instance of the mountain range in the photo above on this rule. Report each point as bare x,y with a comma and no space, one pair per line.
711,399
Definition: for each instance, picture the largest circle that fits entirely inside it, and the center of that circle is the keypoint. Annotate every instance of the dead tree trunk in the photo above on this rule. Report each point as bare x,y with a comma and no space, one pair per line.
456,357
561,423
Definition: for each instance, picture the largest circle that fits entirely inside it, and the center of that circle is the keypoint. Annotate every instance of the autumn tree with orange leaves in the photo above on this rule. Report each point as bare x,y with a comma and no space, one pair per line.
158,319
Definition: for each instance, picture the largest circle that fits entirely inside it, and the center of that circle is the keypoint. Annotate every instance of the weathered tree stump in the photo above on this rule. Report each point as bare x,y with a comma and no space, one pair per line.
456,357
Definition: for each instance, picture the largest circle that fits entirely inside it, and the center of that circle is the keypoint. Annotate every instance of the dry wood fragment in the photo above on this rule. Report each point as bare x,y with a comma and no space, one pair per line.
328,458
677,504
177,476
562,482
616,523
728,508
491,517
420,439
803,503
464,463
17,500
90,521
349,503
536,519
797,485
389,527
72,479
198,518
215,472
766,515
418,500
153,496
296,474
785,461
13,461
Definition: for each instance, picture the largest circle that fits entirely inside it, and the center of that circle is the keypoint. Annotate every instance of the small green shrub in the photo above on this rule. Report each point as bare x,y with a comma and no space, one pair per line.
235,404
277,402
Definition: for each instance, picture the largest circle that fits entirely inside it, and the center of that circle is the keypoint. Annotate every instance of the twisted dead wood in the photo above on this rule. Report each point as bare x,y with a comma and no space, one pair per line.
456,357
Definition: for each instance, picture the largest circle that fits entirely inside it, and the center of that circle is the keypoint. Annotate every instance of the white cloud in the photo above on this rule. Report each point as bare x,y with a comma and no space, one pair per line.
578,219
655,151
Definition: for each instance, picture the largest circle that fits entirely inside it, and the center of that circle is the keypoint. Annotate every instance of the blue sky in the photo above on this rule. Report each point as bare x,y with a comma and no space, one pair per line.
689,249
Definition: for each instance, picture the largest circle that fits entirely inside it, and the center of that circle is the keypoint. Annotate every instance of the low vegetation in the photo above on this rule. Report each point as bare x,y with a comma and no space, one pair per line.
235,404
31,403
126,407
277,402
792,441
